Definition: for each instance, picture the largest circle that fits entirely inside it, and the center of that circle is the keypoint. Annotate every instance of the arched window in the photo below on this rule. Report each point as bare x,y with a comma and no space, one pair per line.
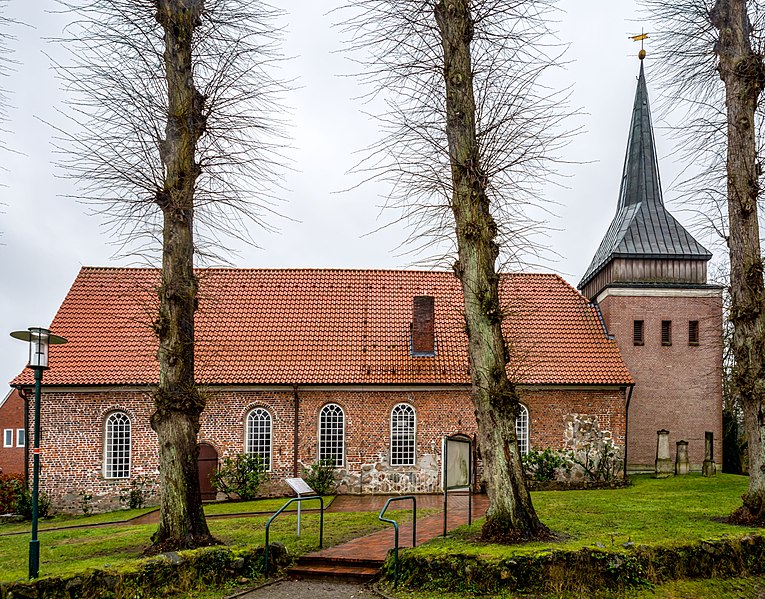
258,435
522,429
332,434
117,445
402,435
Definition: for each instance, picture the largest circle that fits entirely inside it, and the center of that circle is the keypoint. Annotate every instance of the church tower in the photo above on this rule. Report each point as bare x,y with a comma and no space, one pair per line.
649,278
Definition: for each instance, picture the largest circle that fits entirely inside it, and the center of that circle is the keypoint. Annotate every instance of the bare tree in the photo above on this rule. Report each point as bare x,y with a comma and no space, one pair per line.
6,66
469,133
715,54
173,136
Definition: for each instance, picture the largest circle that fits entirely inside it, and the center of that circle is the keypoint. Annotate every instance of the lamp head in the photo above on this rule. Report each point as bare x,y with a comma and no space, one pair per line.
39,340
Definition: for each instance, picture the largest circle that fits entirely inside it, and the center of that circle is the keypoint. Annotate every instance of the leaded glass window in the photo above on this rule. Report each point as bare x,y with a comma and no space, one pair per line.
522,429
259,435
117,445
402,435
332,434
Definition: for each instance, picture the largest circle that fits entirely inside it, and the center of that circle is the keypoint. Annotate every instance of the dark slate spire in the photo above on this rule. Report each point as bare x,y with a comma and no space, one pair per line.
642,227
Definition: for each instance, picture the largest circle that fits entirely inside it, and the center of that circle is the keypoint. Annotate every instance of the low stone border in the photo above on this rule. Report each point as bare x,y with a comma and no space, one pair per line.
587,569
577,485
163,575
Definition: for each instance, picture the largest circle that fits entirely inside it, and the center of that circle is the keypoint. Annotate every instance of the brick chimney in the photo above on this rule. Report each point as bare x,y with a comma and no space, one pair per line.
423,333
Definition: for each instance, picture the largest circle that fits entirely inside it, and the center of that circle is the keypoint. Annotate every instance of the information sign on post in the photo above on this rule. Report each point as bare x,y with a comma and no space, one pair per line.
301,488
457,470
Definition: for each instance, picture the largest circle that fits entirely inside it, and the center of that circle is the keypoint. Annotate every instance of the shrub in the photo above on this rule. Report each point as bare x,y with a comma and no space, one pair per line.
321,476
544,465
136,495
10,487
24,504
85,503
241,475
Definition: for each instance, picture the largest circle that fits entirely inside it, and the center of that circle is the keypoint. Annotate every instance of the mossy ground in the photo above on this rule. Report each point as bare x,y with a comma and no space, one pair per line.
669,511
715,588
653,512
72,550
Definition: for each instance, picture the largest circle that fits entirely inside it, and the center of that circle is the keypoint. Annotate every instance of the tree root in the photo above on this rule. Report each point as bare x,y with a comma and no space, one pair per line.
169,545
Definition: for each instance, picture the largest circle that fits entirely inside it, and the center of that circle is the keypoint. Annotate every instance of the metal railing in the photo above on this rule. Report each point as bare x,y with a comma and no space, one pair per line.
395,527
281,509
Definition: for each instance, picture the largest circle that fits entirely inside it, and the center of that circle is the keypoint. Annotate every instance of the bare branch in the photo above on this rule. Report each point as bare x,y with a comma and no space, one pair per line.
111,144
520,124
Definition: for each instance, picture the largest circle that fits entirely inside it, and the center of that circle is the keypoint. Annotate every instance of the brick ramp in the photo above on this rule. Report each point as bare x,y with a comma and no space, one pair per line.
362,558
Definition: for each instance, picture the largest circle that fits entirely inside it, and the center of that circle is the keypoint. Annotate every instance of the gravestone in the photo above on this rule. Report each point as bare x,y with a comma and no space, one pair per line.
709,468
682,465
664,466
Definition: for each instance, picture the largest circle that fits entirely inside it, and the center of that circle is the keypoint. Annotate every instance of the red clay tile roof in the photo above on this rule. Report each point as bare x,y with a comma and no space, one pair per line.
323,327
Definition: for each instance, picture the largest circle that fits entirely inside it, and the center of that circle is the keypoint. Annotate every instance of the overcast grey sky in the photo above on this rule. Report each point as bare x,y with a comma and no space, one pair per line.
47,237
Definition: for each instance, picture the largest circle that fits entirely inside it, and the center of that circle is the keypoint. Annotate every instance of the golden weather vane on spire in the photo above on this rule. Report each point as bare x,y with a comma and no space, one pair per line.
639,38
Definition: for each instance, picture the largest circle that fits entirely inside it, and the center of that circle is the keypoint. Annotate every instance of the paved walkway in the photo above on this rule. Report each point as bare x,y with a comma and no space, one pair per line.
376,545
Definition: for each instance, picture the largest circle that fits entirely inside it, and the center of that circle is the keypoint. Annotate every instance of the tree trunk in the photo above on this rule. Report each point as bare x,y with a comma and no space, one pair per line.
511,515
177,399
743,74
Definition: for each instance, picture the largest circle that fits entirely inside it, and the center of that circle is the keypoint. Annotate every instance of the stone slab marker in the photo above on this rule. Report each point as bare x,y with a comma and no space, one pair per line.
664,466
709,468
682,465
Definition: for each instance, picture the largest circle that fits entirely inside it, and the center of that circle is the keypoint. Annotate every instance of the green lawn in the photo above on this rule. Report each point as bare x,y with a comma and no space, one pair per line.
73,550
673,510
211,509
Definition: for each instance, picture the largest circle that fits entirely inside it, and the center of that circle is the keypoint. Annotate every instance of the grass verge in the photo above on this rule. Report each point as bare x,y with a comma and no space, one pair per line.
625,535
70,551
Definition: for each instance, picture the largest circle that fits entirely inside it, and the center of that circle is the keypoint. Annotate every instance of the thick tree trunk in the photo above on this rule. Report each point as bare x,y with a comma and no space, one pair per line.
177,400
511,515
743,74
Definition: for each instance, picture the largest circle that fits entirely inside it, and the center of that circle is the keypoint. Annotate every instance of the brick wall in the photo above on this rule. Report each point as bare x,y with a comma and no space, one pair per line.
73,424
12,418
678,387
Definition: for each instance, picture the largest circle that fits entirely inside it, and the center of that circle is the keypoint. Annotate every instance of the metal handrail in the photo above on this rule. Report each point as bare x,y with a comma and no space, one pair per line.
281,509
395,527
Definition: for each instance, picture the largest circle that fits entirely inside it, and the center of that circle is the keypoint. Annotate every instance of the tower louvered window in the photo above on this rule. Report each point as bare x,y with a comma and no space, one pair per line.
637,333
666,332
117,445
693,332
259,435
332,434
522,429
402,435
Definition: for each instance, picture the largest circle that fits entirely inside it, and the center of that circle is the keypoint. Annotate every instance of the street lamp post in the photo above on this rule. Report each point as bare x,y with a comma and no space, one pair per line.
39,339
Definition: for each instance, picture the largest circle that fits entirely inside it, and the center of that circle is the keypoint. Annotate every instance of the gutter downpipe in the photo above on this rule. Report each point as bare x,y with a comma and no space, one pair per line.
626,426
296,400
25,397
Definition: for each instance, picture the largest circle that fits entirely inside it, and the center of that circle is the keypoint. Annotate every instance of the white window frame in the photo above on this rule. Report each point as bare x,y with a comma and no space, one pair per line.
21,437
260,415
406,453
323,437
8,437
110,464
522,429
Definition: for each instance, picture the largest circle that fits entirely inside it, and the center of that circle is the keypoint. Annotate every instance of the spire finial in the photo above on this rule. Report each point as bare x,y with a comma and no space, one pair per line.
640,38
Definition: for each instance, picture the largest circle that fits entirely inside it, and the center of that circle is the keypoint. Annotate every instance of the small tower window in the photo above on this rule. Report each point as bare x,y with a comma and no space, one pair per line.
666,332
693,332
637,333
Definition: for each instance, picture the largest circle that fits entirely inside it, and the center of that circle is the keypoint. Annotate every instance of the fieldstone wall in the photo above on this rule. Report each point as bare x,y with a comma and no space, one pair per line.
381,477
73,424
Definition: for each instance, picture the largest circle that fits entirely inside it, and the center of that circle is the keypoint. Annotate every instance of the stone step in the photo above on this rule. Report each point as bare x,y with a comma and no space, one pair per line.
334,569
328,560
